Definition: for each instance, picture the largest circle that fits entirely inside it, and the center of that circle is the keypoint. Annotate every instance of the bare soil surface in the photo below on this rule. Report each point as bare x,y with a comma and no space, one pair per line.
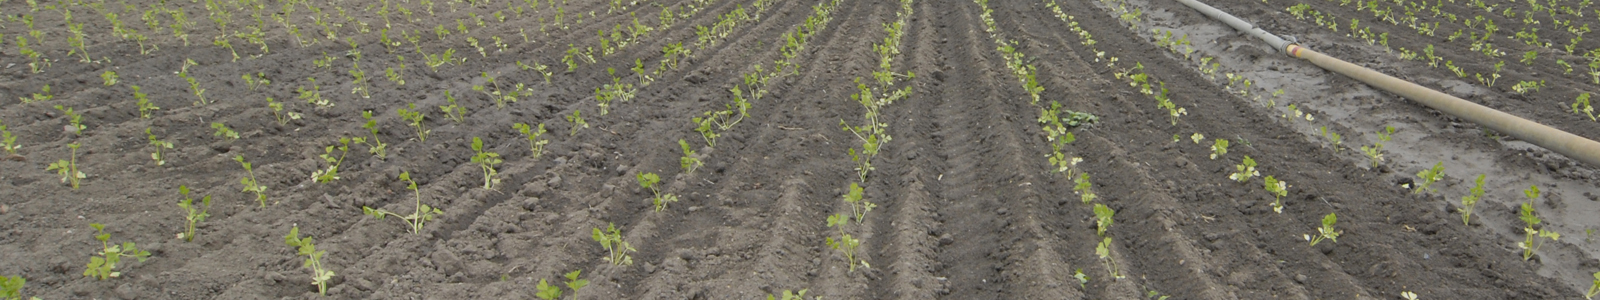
968,202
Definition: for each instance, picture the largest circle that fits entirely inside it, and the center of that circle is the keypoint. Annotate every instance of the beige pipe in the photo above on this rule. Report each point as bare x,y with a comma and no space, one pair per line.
1571,145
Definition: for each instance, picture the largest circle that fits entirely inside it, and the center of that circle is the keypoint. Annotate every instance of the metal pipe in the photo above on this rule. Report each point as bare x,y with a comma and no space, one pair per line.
1568,144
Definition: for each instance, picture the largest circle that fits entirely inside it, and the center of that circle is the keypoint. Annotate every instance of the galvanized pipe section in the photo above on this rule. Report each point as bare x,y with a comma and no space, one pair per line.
1571,145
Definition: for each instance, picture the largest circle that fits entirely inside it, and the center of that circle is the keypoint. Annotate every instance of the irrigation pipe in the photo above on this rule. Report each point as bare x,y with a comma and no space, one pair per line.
1571,145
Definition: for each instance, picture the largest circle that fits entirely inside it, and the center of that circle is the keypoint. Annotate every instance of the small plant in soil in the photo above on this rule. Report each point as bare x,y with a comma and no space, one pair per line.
332,172
551,292
1581,105
11,288
536,140
790,295
453,111
651,181
858,206
611,240
1083,280
1278,189
104,266
1333,137
703,126
74,120
194,85
314,95
418,217
196,213
1325,232
8,142
41,96
1102,218
1428,177
1103,250
376,147
577,121
157,155
1531,241
1219,148
846,244
1083,188
485,161
1246,170
1408,295
68,168
1470,201
222,130
688,161
254,81
279,114
1594,288
415,117
249,181
304,247
109,78
143,101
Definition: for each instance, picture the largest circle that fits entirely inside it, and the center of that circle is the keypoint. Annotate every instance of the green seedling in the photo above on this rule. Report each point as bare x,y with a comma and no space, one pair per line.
1083,279
1278,189
1102,218
1408,295
8,142
279,114
1333,137
257,81
453,111
1594,289
104,266
551,292
376,147
1247,170
304,247
1428,177
251,185
858,206
74,120
196,213
650,181
611,240
1325,232
1197,137
222,130
157,155
1531,241
109,77
41,96
577,121
332,172
418,217
1219,148
790,295
1083,188
703,126
143,101
536,140
1470,201
846,244
415,117
68,168
314,95
485,161
1103,249
11,288
688,161
1581,105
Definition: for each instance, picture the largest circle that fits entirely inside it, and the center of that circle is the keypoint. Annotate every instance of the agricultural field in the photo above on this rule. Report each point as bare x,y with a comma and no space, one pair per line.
747,149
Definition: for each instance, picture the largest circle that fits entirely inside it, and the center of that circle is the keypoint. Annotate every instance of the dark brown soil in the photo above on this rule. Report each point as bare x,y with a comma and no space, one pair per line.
969,206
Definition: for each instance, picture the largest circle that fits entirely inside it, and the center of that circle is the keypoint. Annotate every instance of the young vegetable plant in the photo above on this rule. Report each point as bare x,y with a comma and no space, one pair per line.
611,240
1278,189
1428,177
376,147
417,218
846,244
703,126
196,213
1219,148
41,96
74,120
577,121
688,161
332,172
1325,232
158,144
1531,240
650,181
1083,188
415,117
11,288
1247,170
279,114
1103,249
536,140
551,292
68,169
249,181
222,130
1470,201
453,111
109,77
1594,289
790,295
1102,218
485,161
858,206
105,265
304,247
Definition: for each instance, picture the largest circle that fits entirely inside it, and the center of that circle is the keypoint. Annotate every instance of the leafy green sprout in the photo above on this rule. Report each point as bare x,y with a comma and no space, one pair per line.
858,206
74,119
1594,289
415,117
790,295
251,185
418,217
688,162
486,161
304,247
452,110
196,213
1219,148
11,287
1083,188
1408,295
279,114
376,147
109,77
1246,170
1103,249
222,130
158,145
703,126
332,172
577,121
41,96
1428,177
846,244
611,240
551,292
8,141
1278,189
1531,241
104,266
1197,137
651,181
1102,218
536,140
68,168
1470,201
1326,231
